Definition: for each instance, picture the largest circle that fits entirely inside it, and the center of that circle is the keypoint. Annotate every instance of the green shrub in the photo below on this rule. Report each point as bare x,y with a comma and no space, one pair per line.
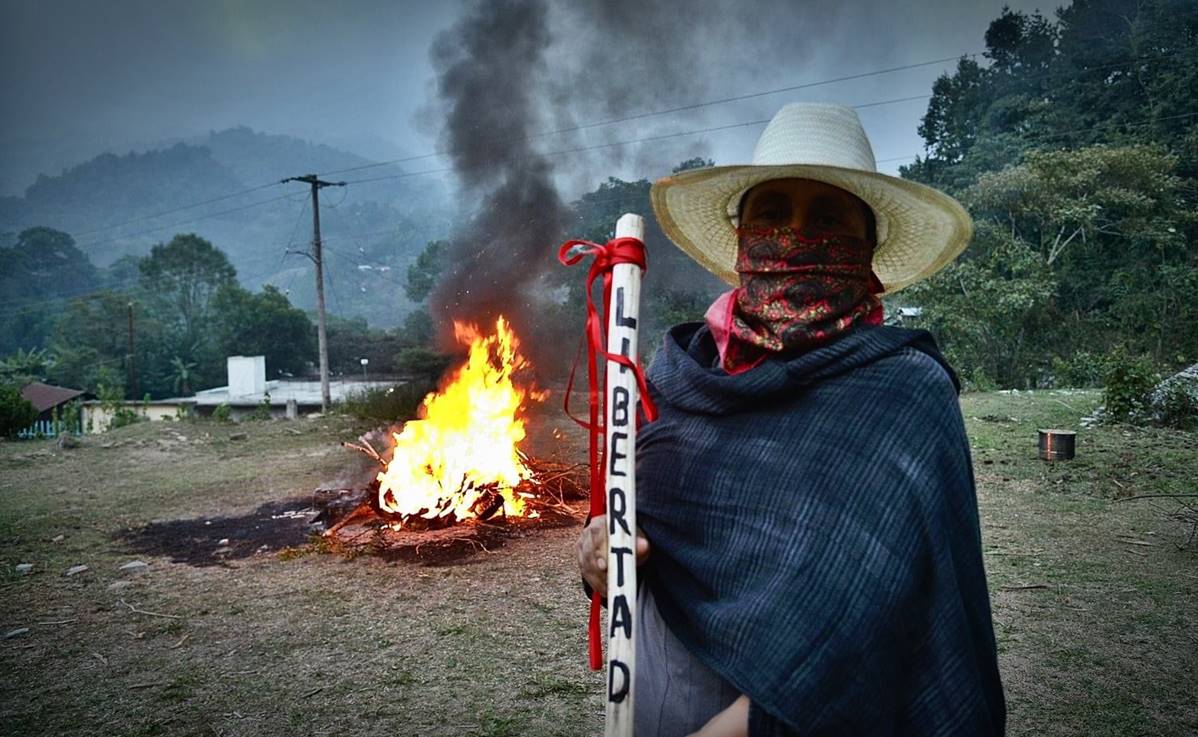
1128,382
394,404
112,401
1080,370
72,415
223,412
262,411
978,381
16,412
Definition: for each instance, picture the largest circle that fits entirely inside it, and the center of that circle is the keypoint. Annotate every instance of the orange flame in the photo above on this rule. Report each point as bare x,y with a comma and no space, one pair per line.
464,447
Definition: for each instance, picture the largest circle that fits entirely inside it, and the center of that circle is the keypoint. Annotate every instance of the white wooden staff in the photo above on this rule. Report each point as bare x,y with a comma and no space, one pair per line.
620,458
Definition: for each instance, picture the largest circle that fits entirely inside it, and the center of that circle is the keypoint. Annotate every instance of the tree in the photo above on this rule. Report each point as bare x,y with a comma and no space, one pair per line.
1019,44
696,163
1106,71
180,279
44,262
417,329
263,324
16,413
352,339
1131,68
1077,141
992,312
90,344
1110,223
122,273
675,287
183,373
423,274
22,367
956,101
42,265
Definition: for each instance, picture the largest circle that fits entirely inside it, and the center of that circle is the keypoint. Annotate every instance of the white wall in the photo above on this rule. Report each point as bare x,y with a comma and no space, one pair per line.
247,375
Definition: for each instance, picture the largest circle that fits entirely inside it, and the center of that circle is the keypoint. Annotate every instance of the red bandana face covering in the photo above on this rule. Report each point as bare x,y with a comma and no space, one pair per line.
797,292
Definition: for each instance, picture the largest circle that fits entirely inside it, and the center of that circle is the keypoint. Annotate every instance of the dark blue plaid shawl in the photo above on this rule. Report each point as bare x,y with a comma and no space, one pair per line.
815,535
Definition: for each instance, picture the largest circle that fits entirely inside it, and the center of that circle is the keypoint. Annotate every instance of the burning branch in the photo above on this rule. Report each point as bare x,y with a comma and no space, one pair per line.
366,449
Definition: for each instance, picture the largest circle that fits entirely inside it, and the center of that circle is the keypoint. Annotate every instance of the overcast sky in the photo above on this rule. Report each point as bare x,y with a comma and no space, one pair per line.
79,78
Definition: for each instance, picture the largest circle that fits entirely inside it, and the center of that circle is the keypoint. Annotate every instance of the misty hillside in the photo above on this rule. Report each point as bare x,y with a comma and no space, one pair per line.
121,205
255,157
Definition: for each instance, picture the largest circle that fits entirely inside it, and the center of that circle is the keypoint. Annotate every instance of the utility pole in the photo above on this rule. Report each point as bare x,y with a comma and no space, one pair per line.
318,260
132,358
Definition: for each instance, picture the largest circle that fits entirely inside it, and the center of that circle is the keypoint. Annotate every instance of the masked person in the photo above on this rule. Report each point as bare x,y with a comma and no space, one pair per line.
812,561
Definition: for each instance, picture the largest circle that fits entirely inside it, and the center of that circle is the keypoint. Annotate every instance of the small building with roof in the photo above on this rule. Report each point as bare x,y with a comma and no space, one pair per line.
51,404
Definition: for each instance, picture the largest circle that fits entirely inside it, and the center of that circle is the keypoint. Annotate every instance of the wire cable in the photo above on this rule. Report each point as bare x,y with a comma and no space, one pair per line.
668,111
735,98
176,224
176,209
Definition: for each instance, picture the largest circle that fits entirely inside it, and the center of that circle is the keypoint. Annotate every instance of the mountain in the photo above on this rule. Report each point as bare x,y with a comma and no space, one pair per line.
117,205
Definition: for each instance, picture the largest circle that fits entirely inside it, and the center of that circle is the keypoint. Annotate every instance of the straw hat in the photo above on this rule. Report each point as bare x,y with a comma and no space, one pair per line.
920,229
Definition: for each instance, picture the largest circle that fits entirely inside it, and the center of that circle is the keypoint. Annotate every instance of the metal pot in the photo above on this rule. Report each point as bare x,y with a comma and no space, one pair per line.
1057,445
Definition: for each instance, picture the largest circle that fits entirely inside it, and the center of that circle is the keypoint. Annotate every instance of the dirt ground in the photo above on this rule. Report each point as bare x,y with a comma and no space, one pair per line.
239,626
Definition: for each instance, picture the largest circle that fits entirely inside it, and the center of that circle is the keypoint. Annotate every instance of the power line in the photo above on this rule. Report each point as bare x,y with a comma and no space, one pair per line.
291,239
25,306
176,209
668,111
295,226
124,288
1034,139
646,139
354,261
250,206
709,103
377,273
610,121
119,286
742,124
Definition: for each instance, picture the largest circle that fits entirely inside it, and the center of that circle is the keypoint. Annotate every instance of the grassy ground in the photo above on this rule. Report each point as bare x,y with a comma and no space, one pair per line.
258,643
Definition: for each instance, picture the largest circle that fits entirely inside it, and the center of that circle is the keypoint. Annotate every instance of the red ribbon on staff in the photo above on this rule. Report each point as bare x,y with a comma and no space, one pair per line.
606,256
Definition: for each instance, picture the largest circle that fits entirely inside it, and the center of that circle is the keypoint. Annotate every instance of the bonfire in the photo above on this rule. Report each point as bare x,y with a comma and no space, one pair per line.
460,459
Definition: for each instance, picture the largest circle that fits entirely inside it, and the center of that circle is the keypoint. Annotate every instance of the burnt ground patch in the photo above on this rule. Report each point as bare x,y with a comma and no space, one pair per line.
214,541
284,525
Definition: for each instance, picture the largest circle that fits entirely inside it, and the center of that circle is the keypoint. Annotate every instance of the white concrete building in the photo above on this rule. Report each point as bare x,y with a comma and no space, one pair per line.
248,388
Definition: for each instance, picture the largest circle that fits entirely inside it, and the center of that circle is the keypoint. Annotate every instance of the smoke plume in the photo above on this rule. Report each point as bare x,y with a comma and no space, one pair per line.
509,71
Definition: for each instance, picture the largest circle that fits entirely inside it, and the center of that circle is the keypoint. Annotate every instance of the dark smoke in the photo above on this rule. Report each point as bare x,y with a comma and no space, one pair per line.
489,66
508,71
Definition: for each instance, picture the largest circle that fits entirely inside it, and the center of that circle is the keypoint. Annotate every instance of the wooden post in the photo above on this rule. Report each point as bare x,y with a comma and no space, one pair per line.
318,260
322,342
132,359
620,458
